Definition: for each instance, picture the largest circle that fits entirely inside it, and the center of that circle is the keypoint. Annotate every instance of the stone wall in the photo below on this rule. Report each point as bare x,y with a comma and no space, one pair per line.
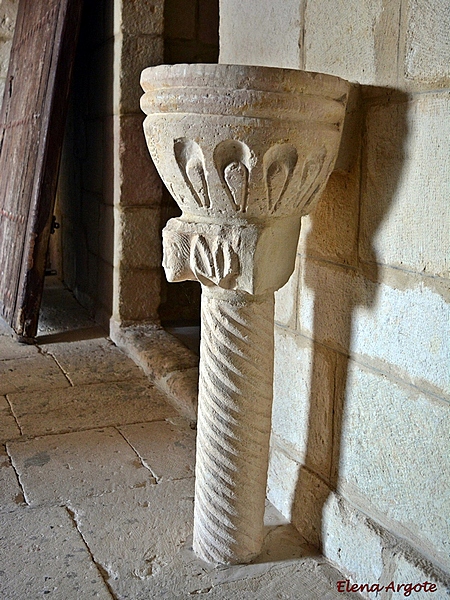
8,11
111,203
109,195
84,200
361,410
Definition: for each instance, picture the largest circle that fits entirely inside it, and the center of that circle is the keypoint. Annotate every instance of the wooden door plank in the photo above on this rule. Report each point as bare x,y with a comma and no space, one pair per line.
32,122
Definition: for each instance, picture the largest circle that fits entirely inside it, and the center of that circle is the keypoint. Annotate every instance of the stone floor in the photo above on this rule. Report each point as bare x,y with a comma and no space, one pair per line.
97,482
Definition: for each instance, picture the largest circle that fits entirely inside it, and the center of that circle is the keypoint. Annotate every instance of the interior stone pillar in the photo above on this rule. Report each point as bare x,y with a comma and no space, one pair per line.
245,151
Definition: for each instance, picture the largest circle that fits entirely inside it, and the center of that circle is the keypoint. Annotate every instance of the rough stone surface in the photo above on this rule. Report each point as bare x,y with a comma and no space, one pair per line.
10,349
311,493
137,51
8,10
165,360
59,469
139,183
282,478
152,564
331,230
386,219
165,447
355,40
93,361
427,46
11,495
274,34
136,296
138,42
87,407
382,558
53,560
286,301
139,246
303,406
409,569
380,324
124,527
182,389
401,463
8,425
342,523
154,350
140,18
404,209
36,372
146,552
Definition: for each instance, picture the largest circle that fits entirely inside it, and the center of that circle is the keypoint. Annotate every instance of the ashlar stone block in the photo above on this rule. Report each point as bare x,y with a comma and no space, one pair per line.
274,33
35,372
356,40
286,301
137,293
405,210
52,556
62,469
138,246
331,230
427,46
137,181
282,479
140,17
351,540
394,453
88,407
381,324
302,414
136,52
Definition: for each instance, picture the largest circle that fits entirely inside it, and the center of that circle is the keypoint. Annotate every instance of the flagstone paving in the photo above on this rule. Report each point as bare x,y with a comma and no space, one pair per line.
97,484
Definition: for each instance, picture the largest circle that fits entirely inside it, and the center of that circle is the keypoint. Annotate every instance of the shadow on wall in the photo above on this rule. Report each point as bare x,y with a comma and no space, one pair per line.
341,282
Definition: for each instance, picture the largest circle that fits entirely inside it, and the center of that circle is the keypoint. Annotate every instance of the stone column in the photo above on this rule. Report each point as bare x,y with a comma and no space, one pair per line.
236,373
234,418
245,151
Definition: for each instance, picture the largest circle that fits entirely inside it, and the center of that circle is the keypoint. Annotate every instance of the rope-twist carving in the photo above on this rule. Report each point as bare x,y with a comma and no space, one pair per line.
235,401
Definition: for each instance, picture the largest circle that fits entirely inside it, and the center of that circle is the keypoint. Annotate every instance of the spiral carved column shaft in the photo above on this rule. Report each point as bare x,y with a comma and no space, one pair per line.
235,402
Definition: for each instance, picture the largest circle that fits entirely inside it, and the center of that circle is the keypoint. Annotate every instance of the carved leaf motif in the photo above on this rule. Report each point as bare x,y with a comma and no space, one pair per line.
236,178
234,162
191,162
176,256
310,175
214,262
279,163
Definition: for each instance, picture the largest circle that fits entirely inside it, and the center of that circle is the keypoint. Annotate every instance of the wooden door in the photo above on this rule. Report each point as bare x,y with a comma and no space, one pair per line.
32,122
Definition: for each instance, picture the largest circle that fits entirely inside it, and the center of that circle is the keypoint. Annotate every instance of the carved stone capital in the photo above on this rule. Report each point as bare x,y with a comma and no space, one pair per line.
248,257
